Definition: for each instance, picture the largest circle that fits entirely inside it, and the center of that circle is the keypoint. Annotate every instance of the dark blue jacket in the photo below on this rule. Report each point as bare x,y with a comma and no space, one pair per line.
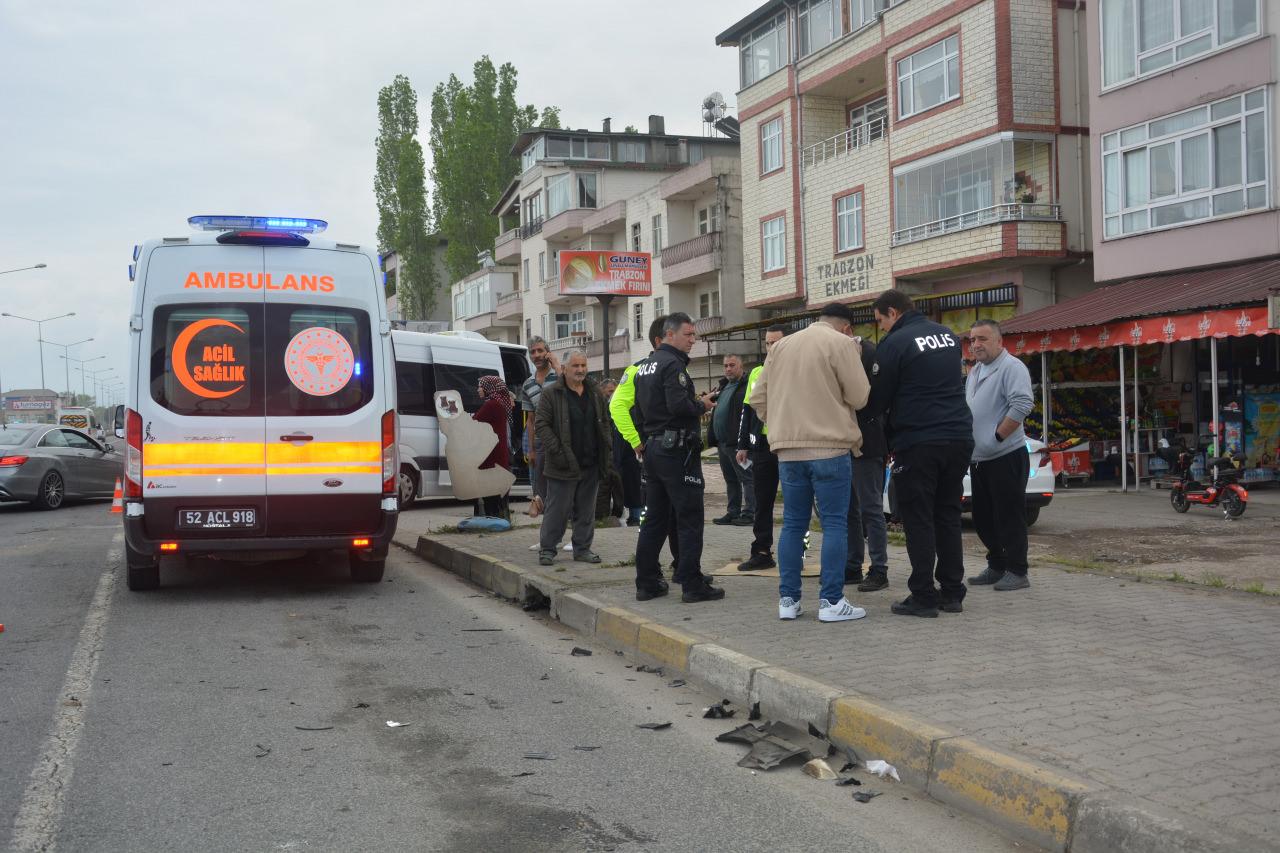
917,379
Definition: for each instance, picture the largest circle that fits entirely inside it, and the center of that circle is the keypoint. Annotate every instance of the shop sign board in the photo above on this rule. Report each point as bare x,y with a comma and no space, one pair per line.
594,273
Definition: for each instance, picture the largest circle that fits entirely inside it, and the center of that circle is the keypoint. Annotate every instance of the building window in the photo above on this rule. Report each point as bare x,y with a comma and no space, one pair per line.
532,208
819,24
709,219
553,272
868,121
1141,37
709,304
559,196
866,11
637,321
563,326
631,152
577,148
459,305
578,323
542,267
586,189
659,307
996,179
544,326
531,155
635,236
929,77
525,264
657,236
849,222
773,243
1199,164
771,146
528,329
764,50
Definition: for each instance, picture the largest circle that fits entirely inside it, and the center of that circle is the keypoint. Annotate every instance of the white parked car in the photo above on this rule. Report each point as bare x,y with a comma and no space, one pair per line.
1039,491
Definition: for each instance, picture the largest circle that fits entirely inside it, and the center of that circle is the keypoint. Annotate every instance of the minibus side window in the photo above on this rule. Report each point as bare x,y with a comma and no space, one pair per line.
415,389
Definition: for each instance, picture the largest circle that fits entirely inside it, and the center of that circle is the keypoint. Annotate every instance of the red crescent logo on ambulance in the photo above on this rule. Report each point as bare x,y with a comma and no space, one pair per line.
183,371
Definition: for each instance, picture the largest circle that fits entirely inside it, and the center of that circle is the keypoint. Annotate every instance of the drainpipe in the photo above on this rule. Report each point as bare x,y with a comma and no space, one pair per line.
1080,141
798,152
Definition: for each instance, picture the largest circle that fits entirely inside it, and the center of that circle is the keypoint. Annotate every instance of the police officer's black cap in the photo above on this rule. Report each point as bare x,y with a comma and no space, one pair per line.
837,310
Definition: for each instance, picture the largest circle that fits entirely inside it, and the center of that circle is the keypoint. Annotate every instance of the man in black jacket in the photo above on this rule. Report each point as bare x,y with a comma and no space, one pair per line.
866,500
916,378
722,434
753,446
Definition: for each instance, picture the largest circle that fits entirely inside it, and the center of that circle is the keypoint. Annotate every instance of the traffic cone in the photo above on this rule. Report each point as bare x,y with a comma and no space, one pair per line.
117,500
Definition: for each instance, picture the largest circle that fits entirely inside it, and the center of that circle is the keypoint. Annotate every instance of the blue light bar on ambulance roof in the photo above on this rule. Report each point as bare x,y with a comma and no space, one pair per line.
292,225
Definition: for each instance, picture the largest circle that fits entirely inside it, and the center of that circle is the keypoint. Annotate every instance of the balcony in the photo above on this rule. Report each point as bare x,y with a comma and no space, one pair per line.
551,292
617,343
507,246
855,138
576,340
703,325
566,226
510,307
610,219
985,216
480,322
530,228
697,180
692,259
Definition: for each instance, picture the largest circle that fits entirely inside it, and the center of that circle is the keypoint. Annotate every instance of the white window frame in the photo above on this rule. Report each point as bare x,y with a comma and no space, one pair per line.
637,230
818,25
708,304
528,329
533,154
773,244
907,70
771,146
659,306
637,320
532,208
554,183
709,218
579,181
849,222
578,321
1124,217
632,151
579,146
563,324
874,115
774,32
1187,43
866,12
657,235
525,283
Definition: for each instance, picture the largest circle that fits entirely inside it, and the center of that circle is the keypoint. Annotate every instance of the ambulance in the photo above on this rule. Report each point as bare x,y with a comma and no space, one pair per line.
260,418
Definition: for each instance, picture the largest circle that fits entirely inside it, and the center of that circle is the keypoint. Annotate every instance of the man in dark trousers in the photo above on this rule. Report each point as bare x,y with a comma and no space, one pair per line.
753,447
670,414
999,393
868,533
916,378
722,434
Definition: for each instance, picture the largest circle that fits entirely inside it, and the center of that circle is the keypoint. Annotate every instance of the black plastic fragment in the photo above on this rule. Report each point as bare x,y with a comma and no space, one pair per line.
865,796
755,712
654,726
579,652
848,780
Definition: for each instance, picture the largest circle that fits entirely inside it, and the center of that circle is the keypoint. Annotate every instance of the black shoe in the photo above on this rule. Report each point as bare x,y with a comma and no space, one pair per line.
649,593
987,577
874,581
756,562
744,521
910,607
852,576
704,592
951,607
633,522
727,518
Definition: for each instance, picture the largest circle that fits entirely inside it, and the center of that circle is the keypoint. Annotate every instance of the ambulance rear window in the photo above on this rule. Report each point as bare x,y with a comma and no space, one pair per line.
205,359
319,360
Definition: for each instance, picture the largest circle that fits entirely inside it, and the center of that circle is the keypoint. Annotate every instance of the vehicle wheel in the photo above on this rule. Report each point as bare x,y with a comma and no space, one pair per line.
1033,515
53,491
1232,505
143,571
1062,482
408,485
1178,498
366,571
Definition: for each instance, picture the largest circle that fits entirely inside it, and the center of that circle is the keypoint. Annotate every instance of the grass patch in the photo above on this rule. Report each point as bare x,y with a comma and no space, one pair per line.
1179,577
444,528
629,561
1256,588
1215,581
1074,563
897,538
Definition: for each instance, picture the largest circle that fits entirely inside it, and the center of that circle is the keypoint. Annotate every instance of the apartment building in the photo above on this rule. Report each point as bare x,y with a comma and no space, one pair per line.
437,318
935,145
677,197
488,301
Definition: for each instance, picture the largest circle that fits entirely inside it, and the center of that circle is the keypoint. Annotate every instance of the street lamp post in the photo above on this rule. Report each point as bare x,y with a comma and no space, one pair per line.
66,350
98,377
20,269
82,362
39,333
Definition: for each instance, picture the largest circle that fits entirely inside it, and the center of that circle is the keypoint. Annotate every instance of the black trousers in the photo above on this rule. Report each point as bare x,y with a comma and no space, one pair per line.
929,481
624,459
764,470
675,492
1000,509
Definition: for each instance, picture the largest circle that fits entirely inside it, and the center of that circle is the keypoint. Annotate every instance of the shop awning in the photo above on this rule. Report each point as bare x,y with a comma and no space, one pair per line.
1213,303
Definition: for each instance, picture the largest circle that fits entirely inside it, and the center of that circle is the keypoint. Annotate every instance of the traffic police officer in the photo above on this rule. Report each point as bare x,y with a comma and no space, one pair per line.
917,378
670,413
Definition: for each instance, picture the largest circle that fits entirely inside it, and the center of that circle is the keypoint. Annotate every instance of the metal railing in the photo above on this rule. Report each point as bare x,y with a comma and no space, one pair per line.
530,228
708,324
579,340
858,136
687,250
974,219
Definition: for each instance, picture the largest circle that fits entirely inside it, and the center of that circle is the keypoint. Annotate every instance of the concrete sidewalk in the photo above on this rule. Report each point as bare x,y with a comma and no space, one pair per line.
1088,713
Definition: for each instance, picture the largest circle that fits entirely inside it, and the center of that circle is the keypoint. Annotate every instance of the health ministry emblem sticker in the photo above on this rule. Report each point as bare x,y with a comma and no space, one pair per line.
319,361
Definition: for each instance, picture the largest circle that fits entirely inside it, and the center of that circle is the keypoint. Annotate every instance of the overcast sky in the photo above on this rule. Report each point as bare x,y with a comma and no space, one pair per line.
119,120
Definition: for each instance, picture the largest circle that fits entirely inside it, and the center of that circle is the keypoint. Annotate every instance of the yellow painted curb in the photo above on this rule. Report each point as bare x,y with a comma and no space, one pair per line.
618,627
1033,801
667,646
878,732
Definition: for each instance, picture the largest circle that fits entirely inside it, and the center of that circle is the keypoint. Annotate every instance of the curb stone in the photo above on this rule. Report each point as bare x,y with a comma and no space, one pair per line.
1028,800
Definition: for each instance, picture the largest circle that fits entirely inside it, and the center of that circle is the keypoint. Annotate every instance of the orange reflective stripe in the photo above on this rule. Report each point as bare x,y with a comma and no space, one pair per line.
327,469
259,470
211,471
325,451
204,453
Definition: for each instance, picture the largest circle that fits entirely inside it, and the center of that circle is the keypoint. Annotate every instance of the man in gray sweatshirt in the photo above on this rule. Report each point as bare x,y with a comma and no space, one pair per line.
998,390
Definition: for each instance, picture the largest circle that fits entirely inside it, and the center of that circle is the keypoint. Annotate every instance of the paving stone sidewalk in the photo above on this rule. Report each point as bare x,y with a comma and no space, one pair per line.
1168,693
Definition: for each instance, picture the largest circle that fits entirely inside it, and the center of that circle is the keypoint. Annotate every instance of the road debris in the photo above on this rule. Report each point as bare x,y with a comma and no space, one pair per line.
818,768
883,769
721,711
362,704
755,712
865,796
654,726
525,773
320,728
478,630
579,652
586,748
263,751
679,682
656,670
848,780
539,756
392,724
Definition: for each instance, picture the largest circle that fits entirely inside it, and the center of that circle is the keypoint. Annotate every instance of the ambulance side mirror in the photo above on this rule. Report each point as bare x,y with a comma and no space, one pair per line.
118,421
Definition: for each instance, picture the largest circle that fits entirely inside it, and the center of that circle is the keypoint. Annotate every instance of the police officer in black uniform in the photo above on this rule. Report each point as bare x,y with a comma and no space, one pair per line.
917,379
669,417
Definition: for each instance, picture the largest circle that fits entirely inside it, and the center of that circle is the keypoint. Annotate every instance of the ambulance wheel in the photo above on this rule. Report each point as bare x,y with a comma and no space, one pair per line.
408,485
143,571
366,571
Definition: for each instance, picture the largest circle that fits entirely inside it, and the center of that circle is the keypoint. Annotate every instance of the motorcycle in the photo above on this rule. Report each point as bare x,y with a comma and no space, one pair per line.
1223,489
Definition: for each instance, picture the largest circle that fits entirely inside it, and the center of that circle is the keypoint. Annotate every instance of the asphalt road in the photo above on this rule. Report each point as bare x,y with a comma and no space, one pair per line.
245,707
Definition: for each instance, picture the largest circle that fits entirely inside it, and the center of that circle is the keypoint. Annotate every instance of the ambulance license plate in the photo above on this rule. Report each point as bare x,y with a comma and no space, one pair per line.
217,519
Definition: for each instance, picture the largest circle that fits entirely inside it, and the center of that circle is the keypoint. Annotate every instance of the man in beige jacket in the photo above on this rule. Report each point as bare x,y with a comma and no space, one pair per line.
812,383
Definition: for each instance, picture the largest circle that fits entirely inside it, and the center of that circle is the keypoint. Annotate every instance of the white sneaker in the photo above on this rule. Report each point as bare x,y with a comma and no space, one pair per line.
568,546
788,608
841,611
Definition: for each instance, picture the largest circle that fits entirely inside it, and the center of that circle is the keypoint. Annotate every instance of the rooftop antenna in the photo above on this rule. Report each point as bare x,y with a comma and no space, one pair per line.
713,109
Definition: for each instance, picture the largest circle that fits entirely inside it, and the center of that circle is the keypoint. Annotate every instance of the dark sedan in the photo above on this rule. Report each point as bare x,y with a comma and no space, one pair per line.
47,464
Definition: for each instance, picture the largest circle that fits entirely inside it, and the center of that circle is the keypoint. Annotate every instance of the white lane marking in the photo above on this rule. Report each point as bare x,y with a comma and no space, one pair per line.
36,827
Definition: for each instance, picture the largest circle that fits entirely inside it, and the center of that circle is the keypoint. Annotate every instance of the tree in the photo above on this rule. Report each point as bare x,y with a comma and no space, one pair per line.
472,130
399,184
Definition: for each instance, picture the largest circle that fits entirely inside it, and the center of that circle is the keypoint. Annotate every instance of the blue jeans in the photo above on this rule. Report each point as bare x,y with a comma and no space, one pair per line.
802,482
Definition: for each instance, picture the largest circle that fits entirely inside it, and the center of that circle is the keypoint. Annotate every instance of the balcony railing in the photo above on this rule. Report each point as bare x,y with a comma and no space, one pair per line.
986,216
530,228
708,324
858,136
687,250
617,343
576,340
506,237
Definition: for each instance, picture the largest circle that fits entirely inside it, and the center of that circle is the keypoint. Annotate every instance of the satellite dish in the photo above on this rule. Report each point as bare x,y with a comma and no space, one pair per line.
713,108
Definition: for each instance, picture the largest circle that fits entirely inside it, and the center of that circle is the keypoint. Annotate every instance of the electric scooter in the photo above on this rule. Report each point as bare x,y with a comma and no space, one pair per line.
1223,489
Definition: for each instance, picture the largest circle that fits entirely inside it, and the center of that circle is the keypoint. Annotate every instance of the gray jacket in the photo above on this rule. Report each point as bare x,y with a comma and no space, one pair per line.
995,391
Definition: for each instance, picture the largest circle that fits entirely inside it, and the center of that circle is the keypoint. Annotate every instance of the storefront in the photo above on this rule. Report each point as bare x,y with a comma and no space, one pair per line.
29,405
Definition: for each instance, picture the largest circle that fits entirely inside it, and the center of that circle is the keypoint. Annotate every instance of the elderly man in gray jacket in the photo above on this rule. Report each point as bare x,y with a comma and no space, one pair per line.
998,390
